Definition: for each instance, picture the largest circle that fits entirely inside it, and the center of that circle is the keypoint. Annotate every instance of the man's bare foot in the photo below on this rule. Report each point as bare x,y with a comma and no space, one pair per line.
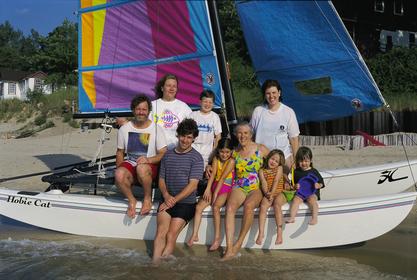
313,221
156,261
215,245
131,209
227,257
259,239
146,207
290,221
192,240
169,257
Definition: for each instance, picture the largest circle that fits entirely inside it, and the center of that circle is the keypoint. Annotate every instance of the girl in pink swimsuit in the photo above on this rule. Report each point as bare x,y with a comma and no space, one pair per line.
215,194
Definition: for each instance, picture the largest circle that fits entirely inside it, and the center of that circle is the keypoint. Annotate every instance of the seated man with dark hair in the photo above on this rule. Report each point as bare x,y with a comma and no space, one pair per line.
181,169
144,144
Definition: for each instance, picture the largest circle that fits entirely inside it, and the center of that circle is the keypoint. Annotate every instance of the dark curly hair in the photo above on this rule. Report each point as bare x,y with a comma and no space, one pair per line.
139,99
187,126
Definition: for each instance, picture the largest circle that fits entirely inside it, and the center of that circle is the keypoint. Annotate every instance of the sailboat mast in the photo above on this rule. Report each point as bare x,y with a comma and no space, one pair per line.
221,59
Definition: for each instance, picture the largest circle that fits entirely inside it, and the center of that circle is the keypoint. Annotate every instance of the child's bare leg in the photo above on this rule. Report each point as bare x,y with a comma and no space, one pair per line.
278,202
294,209
312,202
202,204
220,201
265,204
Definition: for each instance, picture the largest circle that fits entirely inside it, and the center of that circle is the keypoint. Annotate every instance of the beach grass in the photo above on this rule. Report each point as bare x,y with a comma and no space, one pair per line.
37,111
39,106
402,102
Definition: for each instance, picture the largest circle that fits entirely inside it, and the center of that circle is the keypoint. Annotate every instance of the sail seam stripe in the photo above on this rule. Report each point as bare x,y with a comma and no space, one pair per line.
309,65
104,6
146,62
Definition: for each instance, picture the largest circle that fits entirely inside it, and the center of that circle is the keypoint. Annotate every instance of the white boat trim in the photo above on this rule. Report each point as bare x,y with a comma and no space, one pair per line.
373,180
341,222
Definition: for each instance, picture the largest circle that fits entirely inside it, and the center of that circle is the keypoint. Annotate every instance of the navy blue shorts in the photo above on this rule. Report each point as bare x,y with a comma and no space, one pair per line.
184,211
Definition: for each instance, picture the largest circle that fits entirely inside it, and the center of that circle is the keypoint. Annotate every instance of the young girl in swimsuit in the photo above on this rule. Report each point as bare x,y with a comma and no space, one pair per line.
215,194
272,185
304,167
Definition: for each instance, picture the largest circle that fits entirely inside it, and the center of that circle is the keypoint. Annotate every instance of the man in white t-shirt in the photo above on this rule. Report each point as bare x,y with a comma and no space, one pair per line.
209,126
167,111
144,144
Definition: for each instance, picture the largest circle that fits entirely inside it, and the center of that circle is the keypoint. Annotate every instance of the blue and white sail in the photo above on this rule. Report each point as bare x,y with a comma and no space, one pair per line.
305,46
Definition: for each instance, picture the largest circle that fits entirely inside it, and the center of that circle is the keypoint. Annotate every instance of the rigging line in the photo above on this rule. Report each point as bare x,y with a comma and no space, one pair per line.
367,72
396,125
63,130
156,43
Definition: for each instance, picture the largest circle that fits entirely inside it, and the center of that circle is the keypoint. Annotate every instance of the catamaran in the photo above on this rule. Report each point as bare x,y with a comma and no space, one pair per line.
126,46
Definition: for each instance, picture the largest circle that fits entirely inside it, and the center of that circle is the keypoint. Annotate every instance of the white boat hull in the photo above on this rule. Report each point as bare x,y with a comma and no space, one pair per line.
340,222
374,180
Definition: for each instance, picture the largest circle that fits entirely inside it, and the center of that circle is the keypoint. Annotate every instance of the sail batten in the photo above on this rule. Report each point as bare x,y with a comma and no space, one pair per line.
146,62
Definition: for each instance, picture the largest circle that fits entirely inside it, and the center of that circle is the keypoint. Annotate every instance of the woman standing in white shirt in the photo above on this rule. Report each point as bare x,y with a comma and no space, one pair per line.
167,111
275,124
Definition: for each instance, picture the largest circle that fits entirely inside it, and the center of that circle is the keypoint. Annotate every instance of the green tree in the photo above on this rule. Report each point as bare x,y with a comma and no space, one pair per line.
395,73
245,85
18,52
29,50
10,43
58,55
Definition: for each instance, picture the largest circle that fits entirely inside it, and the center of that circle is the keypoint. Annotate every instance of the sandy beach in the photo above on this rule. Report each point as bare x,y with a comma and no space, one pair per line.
63,145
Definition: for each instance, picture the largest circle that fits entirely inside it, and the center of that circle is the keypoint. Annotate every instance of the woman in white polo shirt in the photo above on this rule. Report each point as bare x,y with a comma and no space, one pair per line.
275,124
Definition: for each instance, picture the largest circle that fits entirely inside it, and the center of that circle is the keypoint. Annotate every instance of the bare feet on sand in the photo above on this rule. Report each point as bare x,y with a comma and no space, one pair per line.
230,256
131,209
215,245
146,207
192,240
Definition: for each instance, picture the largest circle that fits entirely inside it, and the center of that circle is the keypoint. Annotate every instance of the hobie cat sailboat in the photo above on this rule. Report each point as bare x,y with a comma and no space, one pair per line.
126,45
